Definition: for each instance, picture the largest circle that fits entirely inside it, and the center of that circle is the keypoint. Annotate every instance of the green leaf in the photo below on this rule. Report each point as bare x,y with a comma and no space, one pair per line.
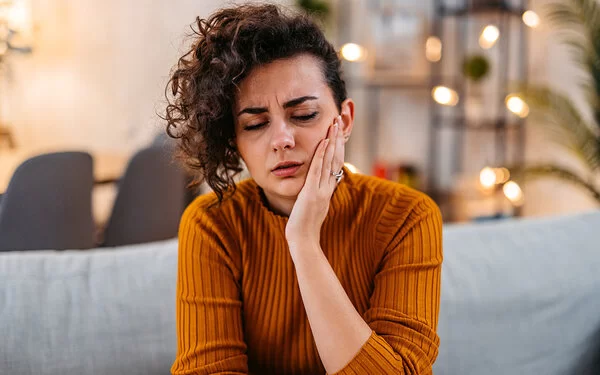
563,122
522,174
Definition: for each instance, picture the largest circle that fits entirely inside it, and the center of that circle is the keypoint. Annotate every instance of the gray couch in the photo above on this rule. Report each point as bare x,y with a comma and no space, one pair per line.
518,297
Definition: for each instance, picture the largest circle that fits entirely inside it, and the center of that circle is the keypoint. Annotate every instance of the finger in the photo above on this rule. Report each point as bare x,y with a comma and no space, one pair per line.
316,165
326,173
338,158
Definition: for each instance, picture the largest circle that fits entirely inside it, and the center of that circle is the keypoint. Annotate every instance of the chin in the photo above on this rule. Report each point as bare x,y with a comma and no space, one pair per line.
289,187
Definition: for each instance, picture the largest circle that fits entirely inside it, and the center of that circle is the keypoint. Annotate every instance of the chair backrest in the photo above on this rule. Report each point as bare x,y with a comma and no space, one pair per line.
163,139
48,204
150,199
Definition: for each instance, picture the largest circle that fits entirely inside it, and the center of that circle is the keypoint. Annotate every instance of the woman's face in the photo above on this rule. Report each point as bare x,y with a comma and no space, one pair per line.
282,111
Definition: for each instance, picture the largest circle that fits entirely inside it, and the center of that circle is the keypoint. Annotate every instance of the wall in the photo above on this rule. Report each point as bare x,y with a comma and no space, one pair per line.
97,76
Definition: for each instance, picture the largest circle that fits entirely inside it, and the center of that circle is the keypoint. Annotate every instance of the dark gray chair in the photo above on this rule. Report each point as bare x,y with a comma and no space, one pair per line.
48,204
162,139
150,199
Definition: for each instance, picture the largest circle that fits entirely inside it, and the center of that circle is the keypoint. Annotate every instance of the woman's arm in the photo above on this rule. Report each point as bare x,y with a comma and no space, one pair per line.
337,327
397,334
404,307
209,323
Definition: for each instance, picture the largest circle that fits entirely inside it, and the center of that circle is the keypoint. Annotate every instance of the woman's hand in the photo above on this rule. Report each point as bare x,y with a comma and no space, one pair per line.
311,207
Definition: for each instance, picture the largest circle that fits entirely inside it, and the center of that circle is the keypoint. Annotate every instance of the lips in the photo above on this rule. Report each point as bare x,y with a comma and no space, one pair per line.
286,164
286,169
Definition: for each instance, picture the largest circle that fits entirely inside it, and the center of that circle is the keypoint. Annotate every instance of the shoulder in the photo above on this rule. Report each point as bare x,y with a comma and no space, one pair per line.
209,230
207,209
401,215
389,196
395,209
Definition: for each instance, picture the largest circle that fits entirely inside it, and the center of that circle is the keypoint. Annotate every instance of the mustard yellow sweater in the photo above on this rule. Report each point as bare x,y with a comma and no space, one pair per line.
239,309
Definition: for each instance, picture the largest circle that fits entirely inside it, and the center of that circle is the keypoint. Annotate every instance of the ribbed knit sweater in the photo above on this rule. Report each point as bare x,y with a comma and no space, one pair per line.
239,308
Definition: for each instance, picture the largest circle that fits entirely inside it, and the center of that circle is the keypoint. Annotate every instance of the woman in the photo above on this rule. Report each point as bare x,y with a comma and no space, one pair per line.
304,268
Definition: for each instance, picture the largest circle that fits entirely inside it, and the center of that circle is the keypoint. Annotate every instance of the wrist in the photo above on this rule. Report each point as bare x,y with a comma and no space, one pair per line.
303,252
298,240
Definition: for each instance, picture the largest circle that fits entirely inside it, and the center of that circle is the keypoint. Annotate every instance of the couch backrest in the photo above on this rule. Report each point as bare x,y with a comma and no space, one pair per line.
518,297
521,297
109,311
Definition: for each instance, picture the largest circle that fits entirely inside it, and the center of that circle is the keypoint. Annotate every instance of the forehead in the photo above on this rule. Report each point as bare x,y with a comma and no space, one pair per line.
282,80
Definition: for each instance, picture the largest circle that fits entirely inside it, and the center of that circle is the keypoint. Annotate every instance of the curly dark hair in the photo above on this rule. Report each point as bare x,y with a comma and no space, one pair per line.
202,87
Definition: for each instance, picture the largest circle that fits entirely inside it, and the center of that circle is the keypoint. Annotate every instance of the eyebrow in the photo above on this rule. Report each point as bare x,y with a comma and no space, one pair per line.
288,104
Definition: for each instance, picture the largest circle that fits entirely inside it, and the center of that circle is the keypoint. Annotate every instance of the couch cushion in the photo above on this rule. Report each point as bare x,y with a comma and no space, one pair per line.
521,297
109,311
518,297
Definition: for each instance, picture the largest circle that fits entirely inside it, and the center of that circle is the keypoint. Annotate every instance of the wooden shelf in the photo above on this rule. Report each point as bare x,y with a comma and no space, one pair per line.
386,81
482,8
390,82
460,122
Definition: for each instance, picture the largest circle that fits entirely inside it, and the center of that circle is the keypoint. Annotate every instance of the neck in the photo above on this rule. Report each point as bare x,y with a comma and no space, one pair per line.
280,205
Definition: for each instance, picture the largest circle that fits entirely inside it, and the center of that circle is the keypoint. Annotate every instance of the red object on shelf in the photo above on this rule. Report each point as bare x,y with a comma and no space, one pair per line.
380,169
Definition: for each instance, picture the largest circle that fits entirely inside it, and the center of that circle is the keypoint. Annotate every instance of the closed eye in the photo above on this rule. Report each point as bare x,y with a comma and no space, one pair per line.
255,127
306,117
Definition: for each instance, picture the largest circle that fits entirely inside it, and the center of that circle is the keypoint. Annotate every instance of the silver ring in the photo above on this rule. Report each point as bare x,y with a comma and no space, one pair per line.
338,176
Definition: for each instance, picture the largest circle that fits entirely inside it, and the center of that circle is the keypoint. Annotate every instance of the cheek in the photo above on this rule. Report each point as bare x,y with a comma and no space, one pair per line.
323,130
312,142
252,153
243,150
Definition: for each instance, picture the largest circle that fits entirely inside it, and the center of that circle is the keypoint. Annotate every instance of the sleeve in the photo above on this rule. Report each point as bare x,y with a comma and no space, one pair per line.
404,306
210,336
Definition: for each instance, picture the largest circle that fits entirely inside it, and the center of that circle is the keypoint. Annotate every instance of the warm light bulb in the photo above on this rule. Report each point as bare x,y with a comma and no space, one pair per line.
445,96
502,175
489,36
513,192
517,105
352,52
433,49
18,16
531,19
351,167
487,177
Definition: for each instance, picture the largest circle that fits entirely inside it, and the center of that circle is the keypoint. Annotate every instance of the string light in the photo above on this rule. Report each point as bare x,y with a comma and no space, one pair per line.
502,175
487,177
513,192
433,49
353,52
445,96
531,19
517,105
351,167
489,36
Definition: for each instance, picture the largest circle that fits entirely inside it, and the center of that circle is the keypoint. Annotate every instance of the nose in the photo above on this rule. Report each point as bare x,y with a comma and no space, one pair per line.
282,137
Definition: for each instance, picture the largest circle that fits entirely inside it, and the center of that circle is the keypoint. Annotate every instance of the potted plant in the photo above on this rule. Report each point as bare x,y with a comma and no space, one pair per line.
318,8
579,22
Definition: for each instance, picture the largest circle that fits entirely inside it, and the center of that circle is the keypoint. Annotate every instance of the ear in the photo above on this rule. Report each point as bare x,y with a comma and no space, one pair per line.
347,114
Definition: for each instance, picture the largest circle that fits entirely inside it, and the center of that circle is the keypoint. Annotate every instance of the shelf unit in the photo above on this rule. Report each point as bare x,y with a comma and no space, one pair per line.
452,21
510,64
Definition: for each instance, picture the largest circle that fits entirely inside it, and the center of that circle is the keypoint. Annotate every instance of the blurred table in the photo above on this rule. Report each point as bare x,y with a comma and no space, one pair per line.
108,168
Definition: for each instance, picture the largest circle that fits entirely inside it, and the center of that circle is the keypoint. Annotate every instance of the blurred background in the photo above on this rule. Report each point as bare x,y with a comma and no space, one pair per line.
491,107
